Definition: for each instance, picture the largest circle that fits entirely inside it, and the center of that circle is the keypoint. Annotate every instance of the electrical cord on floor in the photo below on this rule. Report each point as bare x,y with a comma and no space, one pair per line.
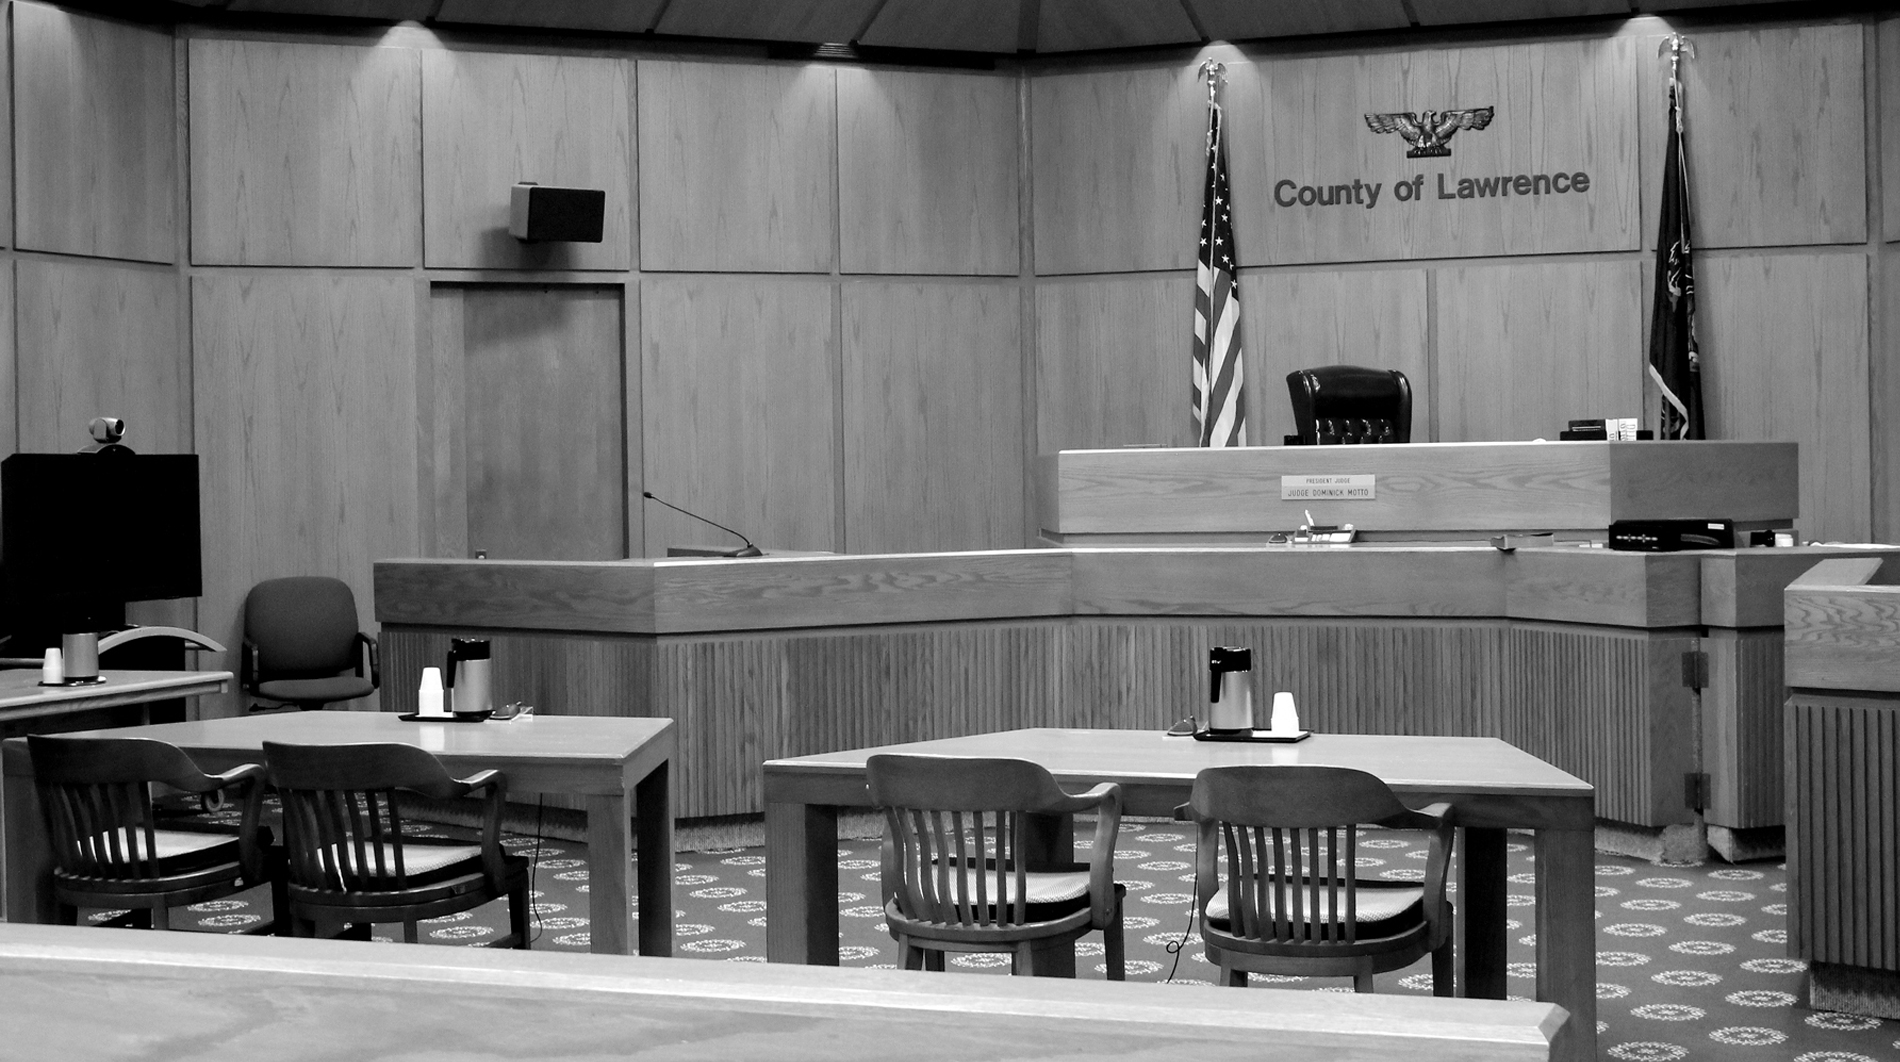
534,863
1177,946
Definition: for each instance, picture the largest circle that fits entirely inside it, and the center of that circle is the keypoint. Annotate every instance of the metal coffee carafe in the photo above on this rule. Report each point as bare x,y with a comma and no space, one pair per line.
1230,689
468,676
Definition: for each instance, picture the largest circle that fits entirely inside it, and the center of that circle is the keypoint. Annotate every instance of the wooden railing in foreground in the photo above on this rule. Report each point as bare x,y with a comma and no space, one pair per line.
204,997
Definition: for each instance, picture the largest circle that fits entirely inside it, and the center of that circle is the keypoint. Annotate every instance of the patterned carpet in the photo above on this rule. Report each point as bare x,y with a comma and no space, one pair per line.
1691,962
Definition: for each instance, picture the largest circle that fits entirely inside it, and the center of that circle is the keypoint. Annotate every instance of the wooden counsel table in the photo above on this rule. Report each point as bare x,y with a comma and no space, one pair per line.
620,767
22,696
1491,785
206,998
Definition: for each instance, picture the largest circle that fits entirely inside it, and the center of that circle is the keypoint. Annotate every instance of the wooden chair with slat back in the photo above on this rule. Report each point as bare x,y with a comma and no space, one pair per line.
957,853
110,848
353,863
1287,898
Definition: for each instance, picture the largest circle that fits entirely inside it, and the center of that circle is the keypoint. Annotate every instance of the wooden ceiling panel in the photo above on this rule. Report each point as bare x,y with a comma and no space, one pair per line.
623,16
1681,5
1447,12
1239,20
390,10
1086,25
805,21
965,26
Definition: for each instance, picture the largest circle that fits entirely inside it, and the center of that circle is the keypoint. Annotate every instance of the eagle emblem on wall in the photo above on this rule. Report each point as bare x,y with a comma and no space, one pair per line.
1429,131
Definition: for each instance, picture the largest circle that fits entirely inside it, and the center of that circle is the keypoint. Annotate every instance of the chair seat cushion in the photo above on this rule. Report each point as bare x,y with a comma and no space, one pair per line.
177,851
337,688
1378,912
423,863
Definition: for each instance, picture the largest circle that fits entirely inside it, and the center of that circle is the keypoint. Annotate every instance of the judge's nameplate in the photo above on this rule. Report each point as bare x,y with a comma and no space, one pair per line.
1328,488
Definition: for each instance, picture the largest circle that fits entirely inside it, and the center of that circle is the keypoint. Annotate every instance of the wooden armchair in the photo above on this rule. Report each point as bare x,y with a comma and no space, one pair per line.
957,853
350,860
109,850
1288,898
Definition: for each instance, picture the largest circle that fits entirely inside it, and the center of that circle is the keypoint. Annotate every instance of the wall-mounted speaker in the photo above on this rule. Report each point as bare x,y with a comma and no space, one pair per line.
542,212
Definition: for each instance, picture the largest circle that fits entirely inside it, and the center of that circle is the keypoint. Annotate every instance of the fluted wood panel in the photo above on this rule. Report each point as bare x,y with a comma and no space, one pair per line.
1785,356
1523,348
1844,830
1292,321
441,451
9,366
491,121
1776,130
1446,12
1112,363
304,417
94,158
546,463
6,177
740,411
1741,728
1117,165
933,441
304,154
1609,707
1884,392
99,339
1561,107
927,173
737,167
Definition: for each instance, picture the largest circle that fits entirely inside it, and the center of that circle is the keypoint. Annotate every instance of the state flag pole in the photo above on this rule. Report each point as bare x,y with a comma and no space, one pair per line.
1675,358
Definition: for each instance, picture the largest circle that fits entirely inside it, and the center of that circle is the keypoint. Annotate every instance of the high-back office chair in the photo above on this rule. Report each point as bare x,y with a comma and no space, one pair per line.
1287,899
109,850
299,636
350,862
1350,404
956,873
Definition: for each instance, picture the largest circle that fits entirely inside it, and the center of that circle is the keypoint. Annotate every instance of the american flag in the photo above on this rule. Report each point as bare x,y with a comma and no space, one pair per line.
1219,416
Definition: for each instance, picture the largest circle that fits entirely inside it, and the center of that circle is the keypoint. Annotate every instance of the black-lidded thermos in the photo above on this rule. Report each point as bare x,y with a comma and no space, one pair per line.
1230,688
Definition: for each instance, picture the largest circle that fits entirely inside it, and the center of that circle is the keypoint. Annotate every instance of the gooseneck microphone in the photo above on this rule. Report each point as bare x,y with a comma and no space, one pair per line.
748,550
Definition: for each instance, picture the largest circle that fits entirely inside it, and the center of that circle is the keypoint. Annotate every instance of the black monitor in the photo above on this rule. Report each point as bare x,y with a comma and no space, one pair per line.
82,534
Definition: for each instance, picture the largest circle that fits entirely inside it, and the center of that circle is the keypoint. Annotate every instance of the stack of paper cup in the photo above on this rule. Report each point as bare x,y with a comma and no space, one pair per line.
429,696
52,672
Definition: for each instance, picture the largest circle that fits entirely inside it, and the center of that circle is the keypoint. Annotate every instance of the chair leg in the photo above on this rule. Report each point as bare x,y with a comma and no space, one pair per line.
1362,980
1231,977
161,917
518,911
933,960
65,915
409,934
913,955
1112,949
1024,961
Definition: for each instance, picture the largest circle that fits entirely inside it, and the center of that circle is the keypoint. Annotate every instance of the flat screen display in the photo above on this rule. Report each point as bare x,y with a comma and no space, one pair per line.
80,533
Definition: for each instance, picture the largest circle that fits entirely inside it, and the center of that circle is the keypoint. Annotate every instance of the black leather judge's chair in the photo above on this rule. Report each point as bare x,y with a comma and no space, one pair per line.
300,638
1350,404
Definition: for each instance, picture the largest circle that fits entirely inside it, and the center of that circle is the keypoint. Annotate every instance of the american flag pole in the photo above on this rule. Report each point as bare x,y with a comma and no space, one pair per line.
1219,414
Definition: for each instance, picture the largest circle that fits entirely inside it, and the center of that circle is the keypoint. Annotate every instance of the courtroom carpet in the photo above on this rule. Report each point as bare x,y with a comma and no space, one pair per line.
1691,962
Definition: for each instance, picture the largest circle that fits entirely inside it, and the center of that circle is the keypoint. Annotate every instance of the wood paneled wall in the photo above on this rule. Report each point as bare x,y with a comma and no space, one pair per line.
854,303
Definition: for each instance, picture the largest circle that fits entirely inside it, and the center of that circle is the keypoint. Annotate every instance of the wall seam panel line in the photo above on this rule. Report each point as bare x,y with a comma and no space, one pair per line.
840,488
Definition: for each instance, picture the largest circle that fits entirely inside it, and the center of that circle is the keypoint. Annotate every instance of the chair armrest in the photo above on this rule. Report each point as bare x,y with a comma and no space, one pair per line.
375,659
478,780
248,666
492,805
1184,813
251,855
1439,820
1107,799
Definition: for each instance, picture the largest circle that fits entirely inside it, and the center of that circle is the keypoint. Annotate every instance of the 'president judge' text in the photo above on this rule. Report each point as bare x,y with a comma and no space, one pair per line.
1368,193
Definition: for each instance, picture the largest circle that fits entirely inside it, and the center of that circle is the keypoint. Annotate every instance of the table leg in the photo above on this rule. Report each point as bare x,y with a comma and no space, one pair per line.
801,884
28,861
1566,937
653,813
1051,843
610,857
1481,911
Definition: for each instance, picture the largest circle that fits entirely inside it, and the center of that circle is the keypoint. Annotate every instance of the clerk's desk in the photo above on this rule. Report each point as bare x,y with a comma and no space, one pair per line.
1574,655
